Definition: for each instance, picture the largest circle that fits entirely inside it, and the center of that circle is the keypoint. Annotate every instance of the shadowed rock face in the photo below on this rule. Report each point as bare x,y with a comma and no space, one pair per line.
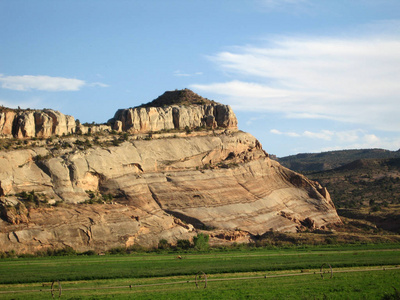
225,181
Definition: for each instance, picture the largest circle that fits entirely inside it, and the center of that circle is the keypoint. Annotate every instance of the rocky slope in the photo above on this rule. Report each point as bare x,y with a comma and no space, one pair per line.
101,191
367,192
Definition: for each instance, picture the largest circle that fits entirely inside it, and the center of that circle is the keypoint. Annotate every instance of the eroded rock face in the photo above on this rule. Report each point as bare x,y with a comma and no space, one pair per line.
86,227
173,110
6,122
223,181
35,123
165,186
146,119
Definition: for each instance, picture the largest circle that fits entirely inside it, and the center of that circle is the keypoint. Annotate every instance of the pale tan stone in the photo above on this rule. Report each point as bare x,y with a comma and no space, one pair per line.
162,188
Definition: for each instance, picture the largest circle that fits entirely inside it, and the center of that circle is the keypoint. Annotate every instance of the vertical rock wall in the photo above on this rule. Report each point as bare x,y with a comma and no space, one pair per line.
146,119
35,123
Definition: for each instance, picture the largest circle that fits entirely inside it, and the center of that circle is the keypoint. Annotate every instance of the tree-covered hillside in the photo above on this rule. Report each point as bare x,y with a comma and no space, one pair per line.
313,162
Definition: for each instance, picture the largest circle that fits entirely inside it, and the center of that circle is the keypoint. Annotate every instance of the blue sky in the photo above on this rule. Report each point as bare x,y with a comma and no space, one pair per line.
301,75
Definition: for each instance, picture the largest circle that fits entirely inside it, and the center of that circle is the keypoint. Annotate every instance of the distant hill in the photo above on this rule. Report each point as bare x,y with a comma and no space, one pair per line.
364,185
178,97
315,162
367,191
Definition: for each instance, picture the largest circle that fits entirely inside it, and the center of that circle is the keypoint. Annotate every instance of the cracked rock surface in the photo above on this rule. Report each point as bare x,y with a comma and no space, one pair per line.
164,188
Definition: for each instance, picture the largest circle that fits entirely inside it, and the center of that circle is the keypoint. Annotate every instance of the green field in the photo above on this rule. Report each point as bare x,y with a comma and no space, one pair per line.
359,271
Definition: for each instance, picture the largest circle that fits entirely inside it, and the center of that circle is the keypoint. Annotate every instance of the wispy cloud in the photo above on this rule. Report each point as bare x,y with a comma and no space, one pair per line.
291,134
179,73
271,5
44,83
348,139
349,80
41,83
98,84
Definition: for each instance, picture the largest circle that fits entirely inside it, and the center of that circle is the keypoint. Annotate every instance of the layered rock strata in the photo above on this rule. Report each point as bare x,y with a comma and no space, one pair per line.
158,186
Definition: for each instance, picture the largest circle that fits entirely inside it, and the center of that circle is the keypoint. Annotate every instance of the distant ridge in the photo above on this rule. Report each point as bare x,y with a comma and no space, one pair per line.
178,97
371,164
316,162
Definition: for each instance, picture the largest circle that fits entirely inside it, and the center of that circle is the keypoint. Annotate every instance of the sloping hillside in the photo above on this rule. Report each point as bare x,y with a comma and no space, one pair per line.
366,190
314,162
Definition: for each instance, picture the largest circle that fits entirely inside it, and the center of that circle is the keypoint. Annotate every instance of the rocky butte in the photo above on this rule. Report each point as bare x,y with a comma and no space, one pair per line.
164,170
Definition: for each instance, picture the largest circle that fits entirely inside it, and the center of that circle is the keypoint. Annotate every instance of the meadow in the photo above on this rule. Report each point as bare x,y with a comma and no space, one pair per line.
359,271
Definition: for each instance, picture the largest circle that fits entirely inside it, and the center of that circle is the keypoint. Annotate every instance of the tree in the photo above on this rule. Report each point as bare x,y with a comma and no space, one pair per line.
183,244
201,242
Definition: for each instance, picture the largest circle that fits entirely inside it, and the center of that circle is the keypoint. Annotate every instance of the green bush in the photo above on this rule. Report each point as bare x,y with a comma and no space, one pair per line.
163,244
201,242
183,244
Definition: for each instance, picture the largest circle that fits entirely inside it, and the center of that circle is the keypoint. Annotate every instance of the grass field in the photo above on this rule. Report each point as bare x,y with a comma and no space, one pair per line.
231,275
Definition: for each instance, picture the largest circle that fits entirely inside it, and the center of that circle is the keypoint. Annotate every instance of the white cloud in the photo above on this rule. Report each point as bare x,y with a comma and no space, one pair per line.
349,139
99,84
280,4
44,83
349,80
291,134
179,73
324,134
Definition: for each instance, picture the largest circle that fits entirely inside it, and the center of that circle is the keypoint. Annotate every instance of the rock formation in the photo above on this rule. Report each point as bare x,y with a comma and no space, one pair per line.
172,110
34,123
109,194
175,110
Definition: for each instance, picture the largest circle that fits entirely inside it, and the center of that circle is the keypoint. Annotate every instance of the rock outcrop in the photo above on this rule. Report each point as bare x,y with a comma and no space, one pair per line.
173,110
226,182
103,192
34,123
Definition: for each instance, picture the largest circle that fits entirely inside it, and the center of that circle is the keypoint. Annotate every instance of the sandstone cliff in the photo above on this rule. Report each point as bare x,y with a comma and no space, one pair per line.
175,110
156,186
172,110
34,123
106,190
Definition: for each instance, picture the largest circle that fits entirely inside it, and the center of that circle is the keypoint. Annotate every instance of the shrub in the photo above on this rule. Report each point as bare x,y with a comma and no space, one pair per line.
163,244
116,142
393,295
89,252
201,242
183,244
117,250
66,251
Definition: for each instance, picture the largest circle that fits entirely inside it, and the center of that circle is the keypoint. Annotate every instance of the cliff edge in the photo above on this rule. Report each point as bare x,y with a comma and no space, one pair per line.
108,190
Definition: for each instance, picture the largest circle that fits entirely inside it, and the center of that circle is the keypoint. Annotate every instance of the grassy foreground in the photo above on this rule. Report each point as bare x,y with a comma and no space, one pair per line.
109,277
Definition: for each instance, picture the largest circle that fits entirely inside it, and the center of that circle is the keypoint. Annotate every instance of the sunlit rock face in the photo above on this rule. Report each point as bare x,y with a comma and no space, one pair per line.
108,193
175,110
161,188
23,124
